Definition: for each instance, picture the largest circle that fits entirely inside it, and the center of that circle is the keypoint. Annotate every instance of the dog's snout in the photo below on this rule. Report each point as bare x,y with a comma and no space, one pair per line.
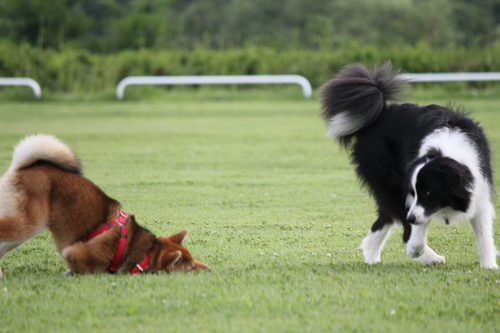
410,218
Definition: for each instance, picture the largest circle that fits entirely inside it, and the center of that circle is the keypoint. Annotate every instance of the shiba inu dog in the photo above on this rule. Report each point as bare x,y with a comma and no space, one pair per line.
44,187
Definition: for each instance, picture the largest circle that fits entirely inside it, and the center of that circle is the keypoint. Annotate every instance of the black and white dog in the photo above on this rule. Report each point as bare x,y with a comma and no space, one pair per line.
417,162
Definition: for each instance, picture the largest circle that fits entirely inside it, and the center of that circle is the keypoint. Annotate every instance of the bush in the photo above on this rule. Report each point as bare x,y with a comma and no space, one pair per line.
79,71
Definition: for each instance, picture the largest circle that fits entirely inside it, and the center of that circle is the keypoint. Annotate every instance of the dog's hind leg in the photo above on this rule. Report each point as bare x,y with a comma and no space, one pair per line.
14,232
6,247
373,243
483,230
416,245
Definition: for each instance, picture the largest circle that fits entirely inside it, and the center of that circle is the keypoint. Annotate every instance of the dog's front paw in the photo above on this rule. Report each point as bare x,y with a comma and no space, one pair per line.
372,261
431,259
370,251
491,266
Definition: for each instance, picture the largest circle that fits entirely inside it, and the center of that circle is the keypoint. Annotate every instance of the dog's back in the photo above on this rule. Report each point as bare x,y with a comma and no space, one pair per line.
75,204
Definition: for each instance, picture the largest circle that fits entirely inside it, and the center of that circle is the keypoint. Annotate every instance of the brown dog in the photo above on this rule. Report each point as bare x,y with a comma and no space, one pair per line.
44,187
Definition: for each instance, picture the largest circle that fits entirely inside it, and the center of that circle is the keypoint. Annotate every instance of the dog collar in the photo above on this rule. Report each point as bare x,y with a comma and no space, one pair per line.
142,265
121,243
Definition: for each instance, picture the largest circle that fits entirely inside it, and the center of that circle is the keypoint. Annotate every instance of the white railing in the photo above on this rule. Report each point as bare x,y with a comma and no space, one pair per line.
448,77
215,79
22,81
253,79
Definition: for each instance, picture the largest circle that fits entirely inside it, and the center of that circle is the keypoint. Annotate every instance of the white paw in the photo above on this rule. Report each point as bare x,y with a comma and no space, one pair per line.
371,256
490,266
372,261
431,258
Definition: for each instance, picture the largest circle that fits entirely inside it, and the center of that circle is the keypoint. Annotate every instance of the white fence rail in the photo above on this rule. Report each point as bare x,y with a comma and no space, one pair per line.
215,79
22,81
449,77
253,79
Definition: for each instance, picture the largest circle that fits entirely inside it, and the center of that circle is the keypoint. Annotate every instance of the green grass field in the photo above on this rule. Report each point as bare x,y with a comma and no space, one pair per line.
272,205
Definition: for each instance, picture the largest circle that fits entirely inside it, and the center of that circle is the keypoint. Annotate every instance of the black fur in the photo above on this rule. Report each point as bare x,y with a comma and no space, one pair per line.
68,168
384,147
363,93
443,182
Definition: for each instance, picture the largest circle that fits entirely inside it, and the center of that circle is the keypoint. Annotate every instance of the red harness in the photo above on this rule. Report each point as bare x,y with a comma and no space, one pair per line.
141,266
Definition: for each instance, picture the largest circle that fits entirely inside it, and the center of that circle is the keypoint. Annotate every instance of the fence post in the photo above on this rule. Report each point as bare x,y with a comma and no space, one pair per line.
22,81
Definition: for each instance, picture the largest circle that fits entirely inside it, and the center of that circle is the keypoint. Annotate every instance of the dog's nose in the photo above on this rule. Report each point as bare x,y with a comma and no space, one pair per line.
410,218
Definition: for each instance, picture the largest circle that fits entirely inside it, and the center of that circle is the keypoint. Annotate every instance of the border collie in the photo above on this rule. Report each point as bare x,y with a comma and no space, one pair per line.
418,162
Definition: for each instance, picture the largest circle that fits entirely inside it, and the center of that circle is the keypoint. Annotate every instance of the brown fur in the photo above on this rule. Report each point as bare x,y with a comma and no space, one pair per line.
43,194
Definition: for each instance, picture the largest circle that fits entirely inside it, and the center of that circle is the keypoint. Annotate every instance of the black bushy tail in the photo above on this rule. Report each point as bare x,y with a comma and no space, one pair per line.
355,98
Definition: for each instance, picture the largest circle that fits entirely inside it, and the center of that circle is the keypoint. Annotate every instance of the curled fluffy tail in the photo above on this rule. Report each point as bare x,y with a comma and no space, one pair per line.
355,98
44,148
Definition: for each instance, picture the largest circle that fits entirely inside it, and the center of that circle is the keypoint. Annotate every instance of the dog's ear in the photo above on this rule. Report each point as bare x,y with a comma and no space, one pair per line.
457,181
131,219
172,259
460,202
178,237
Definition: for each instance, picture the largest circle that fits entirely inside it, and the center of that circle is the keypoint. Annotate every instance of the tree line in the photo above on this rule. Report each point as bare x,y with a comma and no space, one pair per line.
110,26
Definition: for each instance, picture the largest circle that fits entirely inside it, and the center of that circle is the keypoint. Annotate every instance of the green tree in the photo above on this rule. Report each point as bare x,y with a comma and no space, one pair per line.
38,22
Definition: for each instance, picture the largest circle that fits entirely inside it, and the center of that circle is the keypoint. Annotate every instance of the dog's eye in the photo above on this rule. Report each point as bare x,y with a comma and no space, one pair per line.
426,194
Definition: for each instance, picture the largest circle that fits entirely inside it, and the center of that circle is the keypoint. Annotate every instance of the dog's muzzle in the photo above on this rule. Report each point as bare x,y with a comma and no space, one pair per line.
410,218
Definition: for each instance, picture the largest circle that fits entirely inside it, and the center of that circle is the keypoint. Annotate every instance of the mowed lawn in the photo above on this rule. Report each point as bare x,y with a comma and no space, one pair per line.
272,205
